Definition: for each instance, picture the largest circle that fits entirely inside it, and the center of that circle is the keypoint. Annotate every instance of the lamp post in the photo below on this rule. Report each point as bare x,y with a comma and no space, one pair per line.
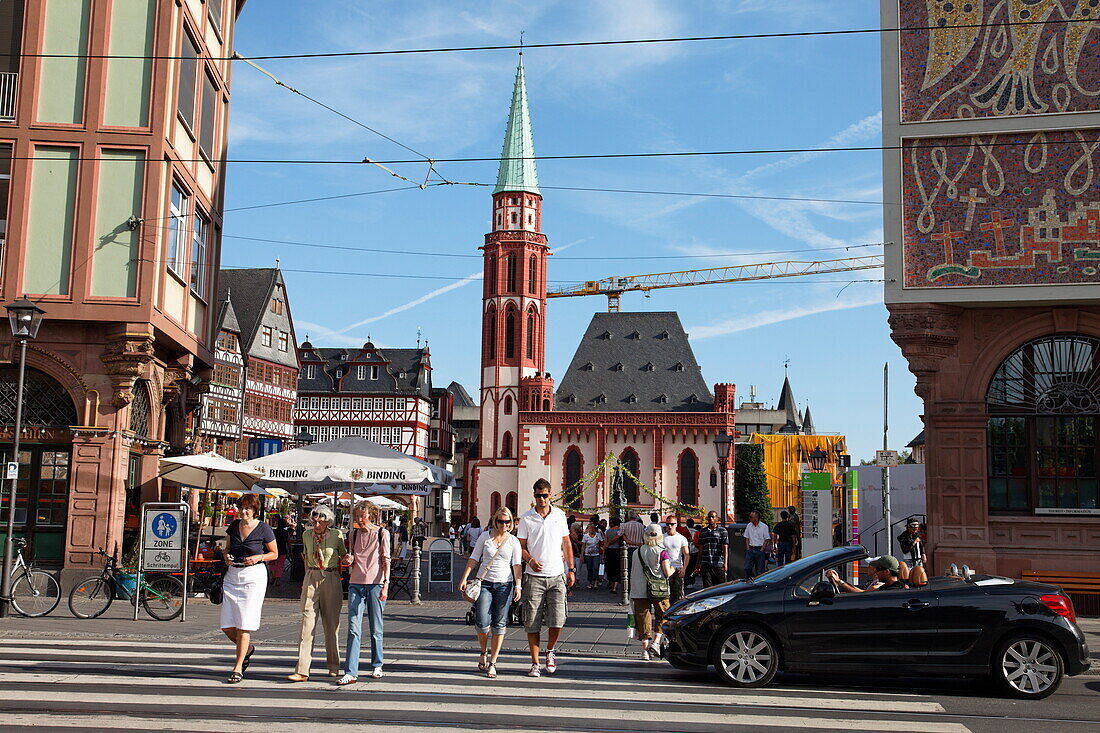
722,444
25,318
817,458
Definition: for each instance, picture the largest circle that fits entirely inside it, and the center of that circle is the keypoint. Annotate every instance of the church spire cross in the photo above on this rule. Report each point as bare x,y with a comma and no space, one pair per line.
517,158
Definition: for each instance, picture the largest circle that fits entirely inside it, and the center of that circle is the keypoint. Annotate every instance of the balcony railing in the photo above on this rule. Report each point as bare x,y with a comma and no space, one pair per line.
9,86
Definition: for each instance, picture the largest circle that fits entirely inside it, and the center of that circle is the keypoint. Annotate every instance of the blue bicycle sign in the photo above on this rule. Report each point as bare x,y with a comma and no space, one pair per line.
164,525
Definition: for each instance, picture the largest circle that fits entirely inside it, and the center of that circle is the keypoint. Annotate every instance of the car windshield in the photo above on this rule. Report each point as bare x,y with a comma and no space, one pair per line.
785,572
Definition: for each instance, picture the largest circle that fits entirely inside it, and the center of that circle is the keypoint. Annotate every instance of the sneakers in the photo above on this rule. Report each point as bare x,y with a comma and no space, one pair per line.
535,671
551,661
376,672
646,656
347,679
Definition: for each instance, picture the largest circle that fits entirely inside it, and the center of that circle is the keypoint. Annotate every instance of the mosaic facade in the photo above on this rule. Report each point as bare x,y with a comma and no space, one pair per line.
1020,209
965,62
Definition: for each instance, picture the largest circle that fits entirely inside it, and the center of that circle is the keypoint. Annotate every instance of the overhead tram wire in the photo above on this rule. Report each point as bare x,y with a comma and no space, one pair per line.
603,156
575,44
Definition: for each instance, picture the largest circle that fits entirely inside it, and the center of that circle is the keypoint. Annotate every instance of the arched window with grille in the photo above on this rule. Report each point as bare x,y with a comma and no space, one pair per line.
510,333
574,472
1044,421
139,409
46,404
632,465
687,477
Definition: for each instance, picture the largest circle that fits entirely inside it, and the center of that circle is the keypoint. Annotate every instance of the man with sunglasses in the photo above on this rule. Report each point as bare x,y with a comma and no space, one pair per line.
543,534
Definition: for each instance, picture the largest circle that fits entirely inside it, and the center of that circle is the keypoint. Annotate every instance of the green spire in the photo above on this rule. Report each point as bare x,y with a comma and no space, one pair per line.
517,159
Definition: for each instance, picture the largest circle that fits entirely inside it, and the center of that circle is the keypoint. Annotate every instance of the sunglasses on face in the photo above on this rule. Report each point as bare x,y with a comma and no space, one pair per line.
504,521
542,496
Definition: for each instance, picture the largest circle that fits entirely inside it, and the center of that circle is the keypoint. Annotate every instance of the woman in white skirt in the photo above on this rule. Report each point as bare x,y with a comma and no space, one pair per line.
250,544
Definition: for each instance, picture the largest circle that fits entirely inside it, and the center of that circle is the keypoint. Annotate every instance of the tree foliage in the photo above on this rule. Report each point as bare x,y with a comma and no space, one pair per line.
751,483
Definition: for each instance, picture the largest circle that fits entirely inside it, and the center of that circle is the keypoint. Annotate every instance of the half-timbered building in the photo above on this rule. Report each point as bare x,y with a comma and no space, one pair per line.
259,298
223,399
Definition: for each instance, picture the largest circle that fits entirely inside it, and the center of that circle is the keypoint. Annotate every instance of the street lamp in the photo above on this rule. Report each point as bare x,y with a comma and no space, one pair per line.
722,444
817,459
25,318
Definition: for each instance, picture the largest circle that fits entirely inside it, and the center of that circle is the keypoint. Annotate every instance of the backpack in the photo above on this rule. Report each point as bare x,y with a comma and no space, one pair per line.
655,581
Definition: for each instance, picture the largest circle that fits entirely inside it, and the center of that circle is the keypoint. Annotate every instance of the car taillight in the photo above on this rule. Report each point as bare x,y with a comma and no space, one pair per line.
1061,605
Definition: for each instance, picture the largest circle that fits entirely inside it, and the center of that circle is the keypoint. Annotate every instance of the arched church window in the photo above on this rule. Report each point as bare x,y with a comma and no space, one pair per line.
494,503
688,478
491,333
1044,420
510,335
506,445
630,462
46,403
574,472
532,273
491,274
530,336
512,502
507,404
511,273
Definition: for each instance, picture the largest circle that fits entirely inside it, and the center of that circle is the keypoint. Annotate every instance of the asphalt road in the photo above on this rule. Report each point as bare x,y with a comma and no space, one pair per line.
134,684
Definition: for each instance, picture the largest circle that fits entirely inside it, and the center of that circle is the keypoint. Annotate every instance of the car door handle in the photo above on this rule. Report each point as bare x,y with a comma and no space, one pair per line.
912,605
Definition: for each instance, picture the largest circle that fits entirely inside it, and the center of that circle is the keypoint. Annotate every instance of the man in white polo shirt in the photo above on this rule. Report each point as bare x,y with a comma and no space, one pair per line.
758,545
543,534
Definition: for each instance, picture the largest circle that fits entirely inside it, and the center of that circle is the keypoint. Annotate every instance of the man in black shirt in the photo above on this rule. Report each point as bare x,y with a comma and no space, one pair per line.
784,539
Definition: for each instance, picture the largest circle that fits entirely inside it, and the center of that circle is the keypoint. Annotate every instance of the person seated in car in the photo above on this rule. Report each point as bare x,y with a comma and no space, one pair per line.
885,569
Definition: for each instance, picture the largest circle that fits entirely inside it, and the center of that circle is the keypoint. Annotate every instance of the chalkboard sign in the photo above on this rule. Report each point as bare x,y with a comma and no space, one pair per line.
441,562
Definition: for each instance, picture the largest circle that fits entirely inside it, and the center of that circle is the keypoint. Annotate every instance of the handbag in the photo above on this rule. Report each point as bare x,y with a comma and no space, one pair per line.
215,592
473,587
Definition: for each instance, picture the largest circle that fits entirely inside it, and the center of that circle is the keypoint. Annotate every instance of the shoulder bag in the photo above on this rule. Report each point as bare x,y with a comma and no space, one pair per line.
473,587
655,581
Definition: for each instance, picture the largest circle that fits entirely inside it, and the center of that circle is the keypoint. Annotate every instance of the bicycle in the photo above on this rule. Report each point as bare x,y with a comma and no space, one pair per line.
34,592
162,598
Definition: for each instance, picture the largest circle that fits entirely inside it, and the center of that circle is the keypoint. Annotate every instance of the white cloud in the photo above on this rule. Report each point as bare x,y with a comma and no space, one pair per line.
750,321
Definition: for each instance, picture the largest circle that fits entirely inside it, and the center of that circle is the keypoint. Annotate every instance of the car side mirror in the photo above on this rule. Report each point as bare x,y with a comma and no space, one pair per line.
823,591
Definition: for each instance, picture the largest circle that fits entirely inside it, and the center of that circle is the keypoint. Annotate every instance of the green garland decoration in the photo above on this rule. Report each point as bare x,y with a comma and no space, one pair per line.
575,491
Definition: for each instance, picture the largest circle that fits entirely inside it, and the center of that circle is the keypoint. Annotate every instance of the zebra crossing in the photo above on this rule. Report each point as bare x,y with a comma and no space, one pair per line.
141,685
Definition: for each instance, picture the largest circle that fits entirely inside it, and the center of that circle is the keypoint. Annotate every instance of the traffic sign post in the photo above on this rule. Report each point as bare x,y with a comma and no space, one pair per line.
163,544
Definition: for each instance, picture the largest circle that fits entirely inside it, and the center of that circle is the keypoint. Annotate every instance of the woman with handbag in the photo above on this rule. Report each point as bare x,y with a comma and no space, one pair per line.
496,587
650,569
249,544
368,562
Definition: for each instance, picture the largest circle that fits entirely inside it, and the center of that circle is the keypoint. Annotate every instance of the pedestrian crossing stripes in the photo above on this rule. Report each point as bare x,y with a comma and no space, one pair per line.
131,685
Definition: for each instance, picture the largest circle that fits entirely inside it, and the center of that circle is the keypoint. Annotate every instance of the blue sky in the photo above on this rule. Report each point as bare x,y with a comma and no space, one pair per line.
748,94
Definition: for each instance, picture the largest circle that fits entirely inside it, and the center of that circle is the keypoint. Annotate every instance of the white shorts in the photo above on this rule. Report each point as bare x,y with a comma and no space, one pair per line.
243,592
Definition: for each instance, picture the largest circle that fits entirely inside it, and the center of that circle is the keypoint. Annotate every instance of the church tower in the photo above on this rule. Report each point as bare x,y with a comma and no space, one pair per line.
514,298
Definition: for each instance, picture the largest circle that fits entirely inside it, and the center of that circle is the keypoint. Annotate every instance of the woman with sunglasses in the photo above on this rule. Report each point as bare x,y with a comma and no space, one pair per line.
501,559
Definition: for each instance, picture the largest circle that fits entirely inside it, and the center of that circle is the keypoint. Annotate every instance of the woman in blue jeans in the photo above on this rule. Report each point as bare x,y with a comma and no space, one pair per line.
368,560
501,559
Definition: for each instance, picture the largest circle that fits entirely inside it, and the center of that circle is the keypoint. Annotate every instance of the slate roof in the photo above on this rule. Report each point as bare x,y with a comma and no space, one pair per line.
807,423
462,397
401,371
634,362
251,293
917,441
227,317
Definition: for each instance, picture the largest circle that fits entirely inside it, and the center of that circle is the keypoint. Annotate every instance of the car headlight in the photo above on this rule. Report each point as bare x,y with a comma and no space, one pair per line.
704,604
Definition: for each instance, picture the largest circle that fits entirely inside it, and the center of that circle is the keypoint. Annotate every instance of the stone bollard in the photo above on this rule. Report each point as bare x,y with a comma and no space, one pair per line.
415,599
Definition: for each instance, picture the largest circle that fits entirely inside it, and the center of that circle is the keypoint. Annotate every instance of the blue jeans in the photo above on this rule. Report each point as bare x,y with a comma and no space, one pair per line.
755,562
783,552
492,607
358,596
592,565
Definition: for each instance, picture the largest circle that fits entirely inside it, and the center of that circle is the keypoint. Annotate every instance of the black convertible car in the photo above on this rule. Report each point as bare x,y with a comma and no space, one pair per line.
1023,634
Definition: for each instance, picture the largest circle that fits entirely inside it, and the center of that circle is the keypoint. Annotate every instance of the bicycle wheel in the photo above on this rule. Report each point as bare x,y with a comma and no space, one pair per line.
163,598
35,593
91,597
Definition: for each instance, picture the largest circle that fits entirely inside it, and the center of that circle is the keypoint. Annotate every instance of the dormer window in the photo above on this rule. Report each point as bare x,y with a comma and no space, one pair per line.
692,399
600,399
606,335
678,367
634,335
617,368
648,367
309,372
570,398
587,366
631,398
663,335
661,398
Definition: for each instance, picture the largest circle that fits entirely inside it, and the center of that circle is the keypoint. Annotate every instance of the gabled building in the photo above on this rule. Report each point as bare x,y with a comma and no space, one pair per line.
223,399
634,388
383,395
260,302
465,419
783,419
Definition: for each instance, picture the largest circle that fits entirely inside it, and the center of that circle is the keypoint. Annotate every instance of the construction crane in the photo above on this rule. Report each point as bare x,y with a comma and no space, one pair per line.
613,287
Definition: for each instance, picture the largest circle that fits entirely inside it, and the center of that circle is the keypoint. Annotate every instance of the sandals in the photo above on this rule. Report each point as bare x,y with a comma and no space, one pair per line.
248,657
483,661
298,677
234,678
491,670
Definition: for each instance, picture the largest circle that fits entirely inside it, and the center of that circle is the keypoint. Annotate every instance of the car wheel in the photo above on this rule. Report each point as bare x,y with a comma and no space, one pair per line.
746,656
1027,666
